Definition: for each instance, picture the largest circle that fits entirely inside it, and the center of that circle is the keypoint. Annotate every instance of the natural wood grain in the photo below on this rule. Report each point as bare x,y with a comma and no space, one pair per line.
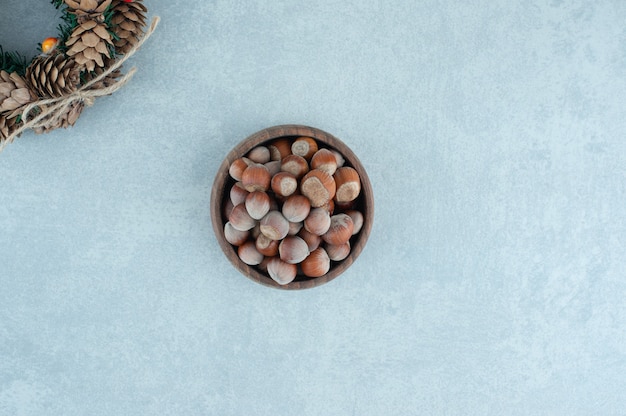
223,182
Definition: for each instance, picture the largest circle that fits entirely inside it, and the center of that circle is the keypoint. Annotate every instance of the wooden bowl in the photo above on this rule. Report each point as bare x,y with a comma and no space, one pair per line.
223,182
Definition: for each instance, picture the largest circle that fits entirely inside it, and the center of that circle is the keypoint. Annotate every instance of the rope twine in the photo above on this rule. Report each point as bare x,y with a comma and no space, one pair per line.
53,109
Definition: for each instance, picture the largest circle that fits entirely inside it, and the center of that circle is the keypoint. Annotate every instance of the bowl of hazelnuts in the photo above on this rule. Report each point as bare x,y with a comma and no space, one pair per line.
292,207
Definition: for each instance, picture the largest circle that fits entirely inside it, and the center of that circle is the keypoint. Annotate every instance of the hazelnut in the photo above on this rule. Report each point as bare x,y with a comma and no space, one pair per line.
324,160
293,250
234,236
273,166
284,184
256,178
340,159
317,264
266,245
340,229
357,219
295,227
348,184
294,164
240,219
257,204
312,240
238,166
238,194
318,186
280,271
279,149
259,154
338,252
296,208
318,221
304,146
274,225
249,254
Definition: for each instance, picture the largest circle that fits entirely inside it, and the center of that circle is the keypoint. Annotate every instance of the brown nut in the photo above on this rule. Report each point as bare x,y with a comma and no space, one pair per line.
234,236
305,147
318,186
279,149
284,184
295,227
338,252
238,193
266,245
273,166
348,184
240,219
280,271
324,160
340,229
257,204
357,219
274,225
256,178
318,221
248,253
296,208
317,264
340,159
238,166
293,250
294,164
259,154
312,240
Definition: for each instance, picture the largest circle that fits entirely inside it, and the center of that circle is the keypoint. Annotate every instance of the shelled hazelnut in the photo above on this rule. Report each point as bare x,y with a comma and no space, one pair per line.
292,208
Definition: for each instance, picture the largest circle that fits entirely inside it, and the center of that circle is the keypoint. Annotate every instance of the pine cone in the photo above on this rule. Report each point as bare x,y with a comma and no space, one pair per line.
128,22
65,120
14,94
89,44
53,76
7,126
87,8
106,81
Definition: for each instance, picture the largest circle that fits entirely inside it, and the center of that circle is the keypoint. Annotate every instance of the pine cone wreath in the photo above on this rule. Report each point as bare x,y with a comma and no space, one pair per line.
14,94
53,76
73,69
89,44
128,22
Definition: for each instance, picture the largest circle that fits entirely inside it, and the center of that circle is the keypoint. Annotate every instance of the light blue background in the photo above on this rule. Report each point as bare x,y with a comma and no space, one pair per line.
494,278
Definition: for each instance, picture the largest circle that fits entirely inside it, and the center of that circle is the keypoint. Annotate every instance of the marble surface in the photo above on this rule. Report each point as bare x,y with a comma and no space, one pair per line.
494,278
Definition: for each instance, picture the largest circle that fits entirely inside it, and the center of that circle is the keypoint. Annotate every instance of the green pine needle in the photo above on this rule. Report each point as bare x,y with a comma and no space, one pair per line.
13,62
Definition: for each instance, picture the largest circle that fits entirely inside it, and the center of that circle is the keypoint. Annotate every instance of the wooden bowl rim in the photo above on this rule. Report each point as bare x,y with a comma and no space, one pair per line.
289,130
